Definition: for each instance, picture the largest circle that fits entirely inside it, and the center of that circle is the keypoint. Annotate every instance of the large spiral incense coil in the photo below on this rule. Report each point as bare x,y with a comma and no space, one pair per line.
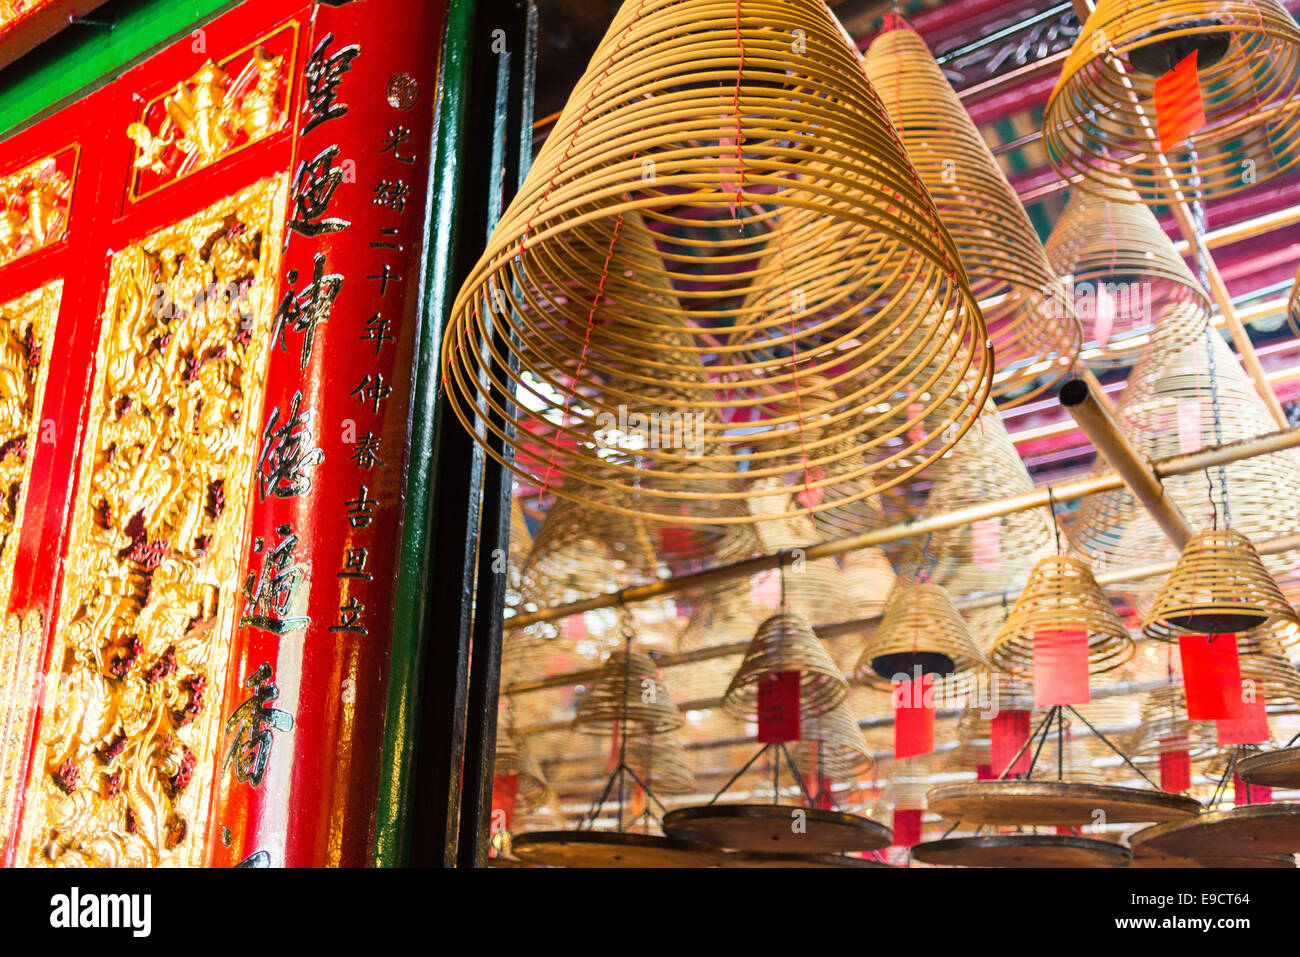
785,643
513,757
1263,662
760,182
1062,595
1164,727
833,744
1100,123
1031,323
1167,409
1125,274
628,690
990,554
919,628
662,763
975,724
1219,586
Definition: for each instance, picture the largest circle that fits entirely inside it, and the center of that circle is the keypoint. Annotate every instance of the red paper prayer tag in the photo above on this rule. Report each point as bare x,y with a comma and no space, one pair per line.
984,772
1179,109
907,827
1008,733
575,628
1061,668
1175,771
985,537
812,497
1067,831
505,789
1104,321
1243,793
914,717
1250,728
1211,676
778,707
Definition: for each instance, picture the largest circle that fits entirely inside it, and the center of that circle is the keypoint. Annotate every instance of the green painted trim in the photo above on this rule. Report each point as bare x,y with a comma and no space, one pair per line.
401,722
85,55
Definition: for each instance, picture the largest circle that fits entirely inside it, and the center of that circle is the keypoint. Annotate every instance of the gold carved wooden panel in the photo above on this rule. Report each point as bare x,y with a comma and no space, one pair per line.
26,330
128,734
34,204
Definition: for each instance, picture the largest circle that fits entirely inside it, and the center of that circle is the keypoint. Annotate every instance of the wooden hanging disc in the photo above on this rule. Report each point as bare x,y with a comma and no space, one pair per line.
610,849
1023,850
1272,769
1243,831
1152,860
777,828
1063,803
759,859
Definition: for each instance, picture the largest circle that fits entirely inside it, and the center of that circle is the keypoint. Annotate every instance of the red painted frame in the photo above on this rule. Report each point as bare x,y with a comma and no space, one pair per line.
330,785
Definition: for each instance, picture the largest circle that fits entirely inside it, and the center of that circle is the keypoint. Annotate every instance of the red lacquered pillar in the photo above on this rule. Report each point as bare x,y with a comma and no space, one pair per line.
302,713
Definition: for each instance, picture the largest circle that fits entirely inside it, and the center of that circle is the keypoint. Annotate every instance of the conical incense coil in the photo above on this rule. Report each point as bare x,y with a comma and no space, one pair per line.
662,763
1269,670
1100,123
1125,274
761,172
1219,586
1062,595
784,643
1166,729
1031,323
1167,409
628,689
833,744
975,724
990,554
513,757
919,628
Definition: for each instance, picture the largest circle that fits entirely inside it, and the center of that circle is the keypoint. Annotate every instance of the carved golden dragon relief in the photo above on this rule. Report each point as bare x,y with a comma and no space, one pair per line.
145,620
33,208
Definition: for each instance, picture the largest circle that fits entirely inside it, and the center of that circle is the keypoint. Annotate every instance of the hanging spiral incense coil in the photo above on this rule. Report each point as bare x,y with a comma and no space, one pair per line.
1219,586
1100,123
919,628
1167,409
662,763
1125,274
1062,595
993,553
629,689
833,744
785,643
975,724
1031,323
513,757
1165,727
763,185
1264,663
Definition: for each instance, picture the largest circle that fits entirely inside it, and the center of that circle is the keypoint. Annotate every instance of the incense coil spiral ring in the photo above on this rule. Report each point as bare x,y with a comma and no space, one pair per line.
784,643
513,756
1164,727
629,689
1062,595
918,619
1030,322
1220,580
835,741
1100,125
1293,305
809,248
1107,241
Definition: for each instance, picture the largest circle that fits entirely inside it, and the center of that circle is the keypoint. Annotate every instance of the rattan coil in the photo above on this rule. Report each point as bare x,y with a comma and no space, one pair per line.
1100,121
921,627
785,643
629,689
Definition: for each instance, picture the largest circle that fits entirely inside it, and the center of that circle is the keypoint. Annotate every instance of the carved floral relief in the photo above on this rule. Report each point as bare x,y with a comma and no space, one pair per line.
129,729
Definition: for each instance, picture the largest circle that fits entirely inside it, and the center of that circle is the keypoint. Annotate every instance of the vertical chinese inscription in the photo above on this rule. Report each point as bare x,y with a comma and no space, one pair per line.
127,740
